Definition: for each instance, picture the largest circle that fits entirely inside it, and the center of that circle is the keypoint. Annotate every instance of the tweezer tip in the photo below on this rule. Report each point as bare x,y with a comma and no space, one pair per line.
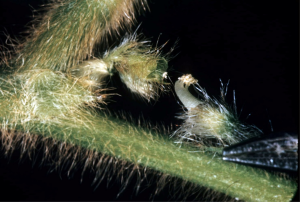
277,150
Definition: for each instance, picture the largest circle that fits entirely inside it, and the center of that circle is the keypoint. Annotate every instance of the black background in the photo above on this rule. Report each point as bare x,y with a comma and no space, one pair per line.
252,43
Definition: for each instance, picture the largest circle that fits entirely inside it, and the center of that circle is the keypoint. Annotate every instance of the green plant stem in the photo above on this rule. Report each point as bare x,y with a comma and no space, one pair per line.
145,147
49,105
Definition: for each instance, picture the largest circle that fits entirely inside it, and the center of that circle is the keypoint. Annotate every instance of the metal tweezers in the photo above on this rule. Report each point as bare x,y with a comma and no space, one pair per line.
277,150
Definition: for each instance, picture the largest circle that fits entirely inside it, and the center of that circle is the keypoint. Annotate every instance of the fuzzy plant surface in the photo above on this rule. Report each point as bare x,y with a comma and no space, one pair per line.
208,121
51,99
69,30
49,107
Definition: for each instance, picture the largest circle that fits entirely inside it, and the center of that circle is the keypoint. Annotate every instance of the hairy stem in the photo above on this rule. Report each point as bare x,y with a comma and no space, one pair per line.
121,139
52,104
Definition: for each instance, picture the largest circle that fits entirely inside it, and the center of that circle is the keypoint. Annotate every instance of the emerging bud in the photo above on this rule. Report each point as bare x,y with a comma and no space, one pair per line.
208,121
